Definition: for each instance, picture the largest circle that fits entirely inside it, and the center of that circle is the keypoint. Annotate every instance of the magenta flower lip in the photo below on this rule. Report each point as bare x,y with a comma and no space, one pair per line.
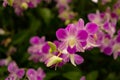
71,50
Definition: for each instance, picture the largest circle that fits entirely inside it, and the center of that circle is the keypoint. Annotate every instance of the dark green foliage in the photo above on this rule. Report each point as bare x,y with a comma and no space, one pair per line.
44,21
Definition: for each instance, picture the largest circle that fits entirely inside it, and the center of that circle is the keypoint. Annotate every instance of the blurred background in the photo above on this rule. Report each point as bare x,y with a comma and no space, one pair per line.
15,32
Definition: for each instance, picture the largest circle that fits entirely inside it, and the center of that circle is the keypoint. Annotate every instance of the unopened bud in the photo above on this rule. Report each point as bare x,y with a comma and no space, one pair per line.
10,2
2,32
24,5
118,11
53,60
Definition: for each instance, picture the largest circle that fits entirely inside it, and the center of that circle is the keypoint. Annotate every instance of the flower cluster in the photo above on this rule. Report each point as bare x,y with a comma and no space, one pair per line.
74,38
35,75
72,41
107,40
5,62
21,5
116,8
64,10
106,21
17,73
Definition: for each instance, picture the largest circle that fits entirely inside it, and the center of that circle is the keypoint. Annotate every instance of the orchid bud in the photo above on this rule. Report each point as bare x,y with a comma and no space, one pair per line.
10,2
53,60
24,5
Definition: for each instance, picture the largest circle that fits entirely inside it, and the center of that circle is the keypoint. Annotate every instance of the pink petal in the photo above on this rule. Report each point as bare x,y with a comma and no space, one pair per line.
91,16
78,59
79,47
34,40
82,35
12,67
71,28
91,28
20,73
61,34
80,24
83,78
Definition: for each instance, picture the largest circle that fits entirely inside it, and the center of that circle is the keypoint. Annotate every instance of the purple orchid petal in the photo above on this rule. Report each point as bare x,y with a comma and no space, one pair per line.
42,40
30,4
5,3
91,16
82,35
34,40
83,78
65,58
80,24
71,50
41,73
118,32
61,34
83,44
12,67
18,11
3,62
78,59
92,42
91,28
118,39
45,48
107,36
57,43
20,73
63,45
11,77
106,26
119,53
71,28
115,55
68,27
107,50
31,74
79,47
39,78
113,15
102,15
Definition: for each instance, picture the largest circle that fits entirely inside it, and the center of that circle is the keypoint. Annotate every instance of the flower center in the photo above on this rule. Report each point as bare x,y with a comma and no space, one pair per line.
72,41
106,41
63,1
117,47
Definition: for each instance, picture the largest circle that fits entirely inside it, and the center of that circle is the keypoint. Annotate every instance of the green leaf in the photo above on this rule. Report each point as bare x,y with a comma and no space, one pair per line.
34,25
25,34
111,76
46,14
73,75
3,72
20,37
50,75
92,75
